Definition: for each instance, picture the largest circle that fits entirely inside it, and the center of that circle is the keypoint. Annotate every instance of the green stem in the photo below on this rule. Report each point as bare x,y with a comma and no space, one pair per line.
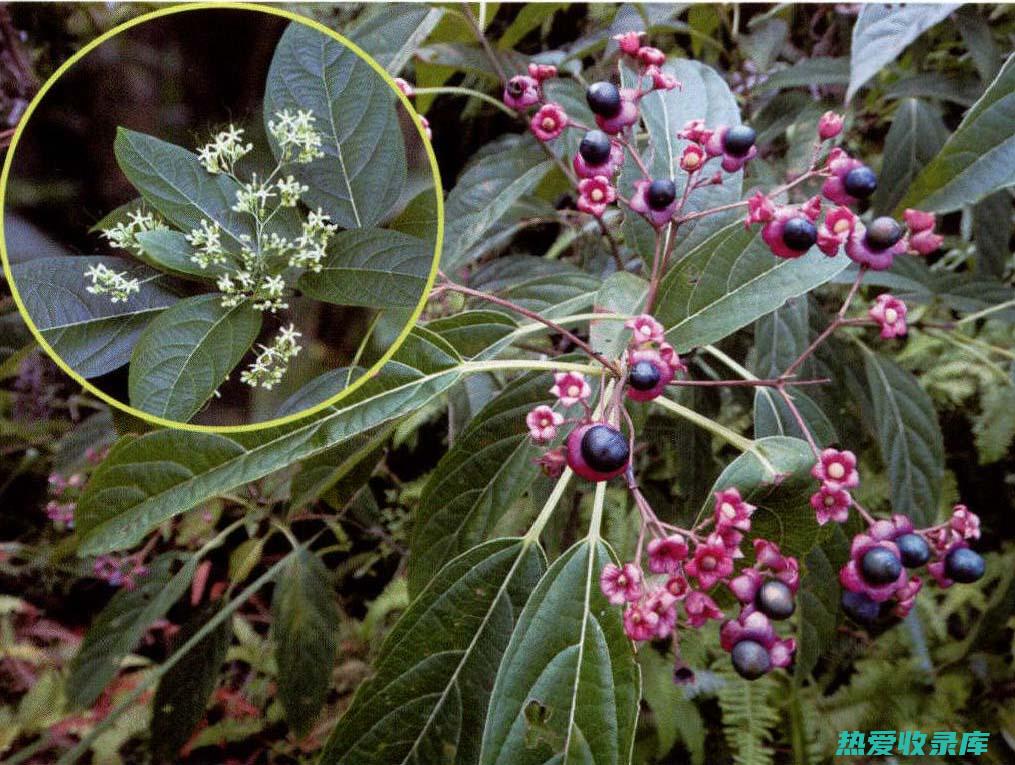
532,535
153,677
457,91
986,312
731,363
742,443
595,525
528,364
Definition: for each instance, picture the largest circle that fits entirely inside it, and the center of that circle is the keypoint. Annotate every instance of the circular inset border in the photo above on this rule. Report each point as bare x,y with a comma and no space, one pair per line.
310,411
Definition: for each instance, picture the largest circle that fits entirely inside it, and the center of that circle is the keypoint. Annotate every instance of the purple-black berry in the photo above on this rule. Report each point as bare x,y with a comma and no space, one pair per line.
750,659
880,565
860,182
914,550
799,234
882,233
603,99
738,140
605,449
963,565
595,147
775,600
661,194
860,608
644,375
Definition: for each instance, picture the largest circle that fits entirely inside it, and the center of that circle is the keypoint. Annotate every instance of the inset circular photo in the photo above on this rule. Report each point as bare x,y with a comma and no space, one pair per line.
251,198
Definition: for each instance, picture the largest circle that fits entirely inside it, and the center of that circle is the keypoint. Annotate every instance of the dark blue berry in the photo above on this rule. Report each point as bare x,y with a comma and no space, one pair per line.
644,376
882,233
738,140
914,550
605,449
604,99
880,565
860,608
775,600
963,565
661,193
799,234
595,147
860,182
750,659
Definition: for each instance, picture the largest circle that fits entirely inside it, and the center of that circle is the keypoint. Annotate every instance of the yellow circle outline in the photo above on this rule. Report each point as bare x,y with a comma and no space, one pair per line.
151,418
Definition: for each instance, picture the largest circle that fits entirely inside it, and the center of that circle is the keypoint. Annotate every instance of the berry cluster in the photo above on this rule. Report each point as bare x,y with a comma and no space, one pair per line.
674,588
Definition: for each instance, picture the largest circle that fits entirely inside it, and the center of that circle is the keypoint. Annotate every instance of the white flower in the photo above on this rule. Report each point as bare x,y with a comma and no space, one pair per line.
296,137
208,241
272,362
105,281
224,150
289,191
124,234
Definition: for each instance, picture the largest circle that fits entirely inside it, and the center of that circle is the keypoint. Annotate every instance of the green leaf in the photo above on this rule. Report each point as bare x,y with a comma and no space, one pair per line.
818,601
474,332
749,716
147,480
173,181
183,691
305,630
676,717
882,32
567,689
960,90
120,626
992,222
775,477
372,268
730,280
621,293
820,70
183,356
978,159
773,417
549,287
361,175
917,134
391,36
490,466
89,333
909,437
484,193
170,251
432,681
995,426
530,17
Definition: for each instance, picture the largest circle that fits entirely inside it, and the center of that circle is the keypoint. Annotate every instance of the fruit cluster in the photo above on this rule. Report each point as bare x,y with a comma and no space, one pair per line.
674,588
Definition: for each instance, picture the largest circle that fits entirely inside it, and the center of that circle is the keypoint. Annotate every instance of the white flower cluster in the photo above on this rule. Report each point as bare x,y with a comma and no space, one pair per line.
106,281
225,149
124,234
296,137
272,361
309,248
208,243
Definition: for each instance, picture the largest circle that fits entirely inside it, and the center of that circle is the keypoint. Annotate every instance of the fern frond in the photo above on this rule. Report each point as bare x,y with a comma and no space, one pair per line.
749,717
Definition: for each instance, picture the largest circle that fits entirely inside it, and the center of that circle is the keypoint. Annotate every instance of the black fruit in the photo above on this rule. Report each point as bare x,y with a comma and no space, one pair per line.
738,140
604,99
661,194
882,233
914,550
595,147
860,608
775,600
880,565
860,182
963,565
644,375
750,659
799,234
605,449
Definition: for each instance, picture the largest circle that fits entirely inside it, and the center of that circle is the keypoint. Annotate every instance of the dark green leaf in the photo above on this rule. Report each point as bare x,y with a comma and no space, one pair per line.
432,680
474,332
962,91
915,136
818,601
978,159
882,32
489,467
730,280
183,691
170,251
822,70
549,287
305,630
185,354
909,436
568,686
360,177
621,293
372,268
992,223
89,333
147,480
392,35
